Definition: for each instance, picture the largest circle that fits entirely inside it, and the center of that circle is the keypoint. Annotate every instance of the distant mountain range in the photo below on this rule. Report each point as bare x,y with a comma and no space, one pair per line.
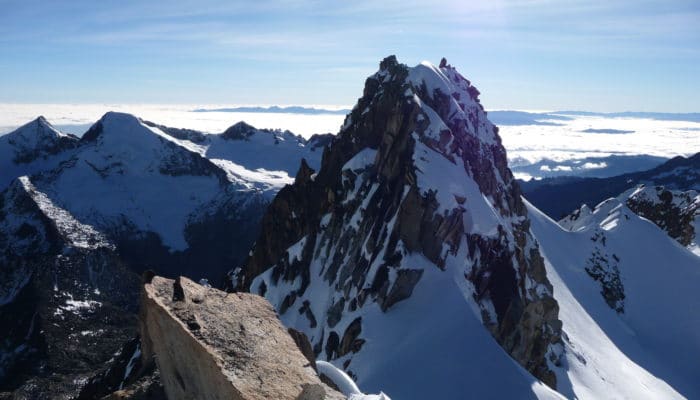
276,109
689,117
499,117
512,117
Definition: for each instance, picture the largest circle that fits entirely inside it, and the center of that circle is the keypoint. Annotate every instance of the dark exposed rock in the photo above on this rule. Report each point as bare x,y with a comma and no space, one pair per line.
302,342
93,132
127,376
350,341
335,313
147,276
403,286
147,387
304,174
320,141
672,211
332,345
239,131
179,133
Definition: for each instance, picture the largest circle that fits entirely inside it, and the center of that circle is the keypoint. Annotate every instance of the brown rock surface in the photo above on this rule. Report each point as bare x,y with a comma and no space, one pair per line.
214,345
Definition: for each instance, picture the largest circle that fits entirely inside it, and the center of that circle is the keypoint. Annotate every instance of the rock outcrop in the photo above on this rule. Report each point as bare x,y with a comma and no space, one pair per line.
212,345
672,210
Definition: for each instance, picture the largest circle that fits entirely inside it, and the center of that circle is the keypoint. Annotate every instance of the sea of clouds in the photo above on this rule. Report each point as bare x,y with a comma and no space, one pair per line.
539,144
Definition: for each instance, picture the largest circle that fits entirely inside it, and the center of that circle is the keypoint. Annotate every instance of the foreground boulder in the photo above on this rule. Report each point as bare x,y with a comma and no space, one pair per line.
212,345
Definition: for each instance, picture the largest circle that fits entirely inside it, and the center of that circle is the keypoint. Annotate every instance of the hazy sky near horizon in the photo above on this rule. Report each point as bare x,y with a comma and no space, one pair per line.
532,54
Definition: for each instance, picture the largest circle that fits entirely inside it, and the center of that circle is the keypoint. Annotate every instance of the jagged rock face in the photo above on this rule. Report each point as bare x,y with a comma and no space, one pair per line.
417,170
65,297
212,345
673,211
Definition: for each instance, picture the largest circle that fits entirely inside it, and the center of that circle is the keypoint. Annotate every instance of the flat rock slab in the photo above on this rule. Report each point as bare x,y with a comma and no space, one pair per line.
210,344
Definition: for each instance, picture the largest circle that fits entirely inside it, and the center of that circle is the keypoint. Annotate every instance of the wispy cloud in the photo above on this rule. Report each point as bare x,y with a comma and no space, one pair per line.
506,44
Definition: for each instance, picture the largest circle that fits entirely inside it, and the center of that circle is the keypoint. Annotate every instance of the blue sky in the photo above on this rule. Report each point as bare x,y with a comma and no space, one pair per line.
532,54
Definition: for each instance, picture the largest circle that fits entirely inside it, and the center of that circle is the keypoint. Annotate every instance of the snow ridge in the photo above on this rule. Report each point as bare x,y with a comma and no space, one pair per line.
619,279
77,234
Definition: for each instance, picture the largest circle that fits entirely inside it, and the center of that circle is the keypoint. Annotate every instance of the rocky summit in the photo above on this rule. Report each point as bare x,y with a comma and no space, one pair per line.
413,196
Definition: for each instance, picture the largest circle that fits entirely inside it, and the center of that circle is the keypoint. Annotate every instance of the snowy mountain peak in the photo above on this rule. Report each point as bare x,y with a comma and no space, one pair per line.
34,140
413,198
40,127
125,126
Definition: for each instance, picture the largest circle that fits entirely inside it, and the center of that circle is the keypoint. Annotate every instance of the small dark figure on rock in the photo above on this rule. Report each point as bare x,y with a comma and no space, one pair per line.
178,291
147,276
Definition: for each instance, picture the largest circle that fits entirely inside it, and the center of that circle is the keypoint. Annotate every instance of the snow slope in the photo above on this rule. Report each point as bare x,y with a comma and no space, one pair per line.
433,346
651,348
